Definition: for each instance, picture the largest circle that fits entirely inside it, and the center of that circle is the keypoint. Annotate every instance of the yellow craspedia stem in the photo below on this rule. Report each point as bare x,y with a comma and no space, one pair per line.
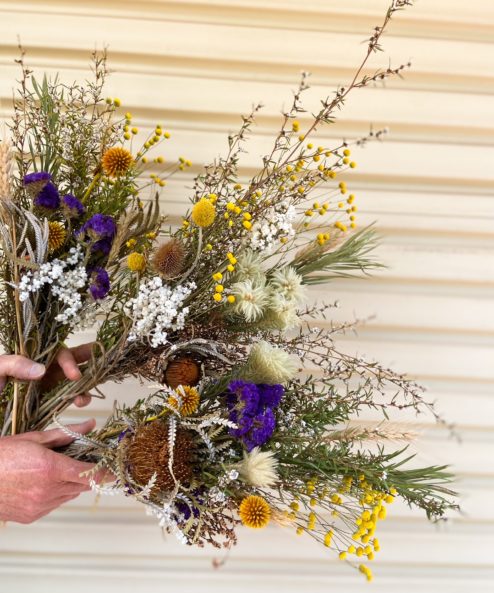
203,213
254,512
136,262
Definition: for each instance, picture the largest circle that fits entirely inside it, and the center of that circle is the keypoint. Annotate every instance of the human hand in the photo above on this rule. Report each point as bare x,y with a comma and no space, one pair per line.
34,480
64,366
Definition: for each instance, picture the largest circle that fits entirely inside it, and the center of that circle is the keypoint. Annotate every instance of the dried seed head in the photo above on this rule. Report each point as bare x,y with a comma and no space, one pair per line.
149,454
6,166
182,371
169,259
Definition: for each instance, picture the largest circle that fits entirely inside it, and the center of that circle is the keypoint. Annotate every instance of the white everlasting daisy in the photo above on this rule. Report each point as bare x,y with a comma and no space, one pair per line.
288,284
249,267
251,299
281,314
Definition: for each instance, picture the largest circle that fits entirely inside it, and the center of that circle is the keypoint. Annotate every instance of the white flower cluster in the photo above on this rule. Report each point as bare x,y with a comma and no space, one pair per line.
65,283
277,224
156,309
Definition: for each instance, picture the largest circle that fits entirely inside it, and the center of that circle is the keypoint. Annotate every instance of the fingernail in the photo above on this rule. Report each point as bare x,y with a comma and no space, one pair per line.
37,370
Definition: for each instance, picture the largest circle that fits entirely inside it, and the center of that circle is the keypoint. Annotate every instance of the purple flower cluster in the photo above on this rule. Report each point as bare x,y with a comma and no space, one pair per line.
72,206
252,409
48,197
100,283
100,229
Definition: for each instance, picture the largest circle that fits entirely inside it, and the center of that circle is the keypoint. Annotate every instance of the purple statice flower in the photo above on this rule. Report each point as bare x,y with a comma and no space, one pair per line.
99,226
48,197
270,395
243,397
72,206
243,422
100,283
263,426
251,407
35,182
102,247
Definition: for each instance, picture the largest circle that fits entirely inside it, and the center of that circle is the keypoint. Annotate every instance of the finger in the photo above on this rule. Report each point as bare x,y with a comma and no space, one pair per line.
66,361
82,400
20,367
77,472
82,353
57,437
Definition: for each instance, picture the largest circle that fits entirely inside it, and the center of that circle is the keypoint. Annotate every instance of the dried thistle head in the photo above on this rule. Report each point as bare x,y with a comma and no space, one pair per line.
149,454
169,259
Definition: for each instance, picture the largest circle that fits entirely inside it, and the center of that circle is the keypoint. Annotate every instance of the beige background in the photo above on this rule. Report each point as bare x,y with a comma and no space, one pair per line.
194,66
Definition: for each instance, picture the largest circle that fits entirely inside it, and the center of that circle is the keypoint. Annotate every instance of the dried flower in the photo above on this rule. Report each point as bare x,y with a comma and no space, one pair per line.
57,235
249,267
182,371
169,259
116,161
250,299
136,262
267,364
100,283
203,213
48,197
254,512
258,468
288,284
72,206
99,226
187,400
6,167
149,454
35,182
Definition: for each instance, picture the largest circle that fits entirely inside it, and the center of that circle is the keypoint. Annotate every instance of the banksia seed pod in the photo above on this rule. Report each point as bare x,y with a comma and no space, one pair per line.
182,371
169,259
149,454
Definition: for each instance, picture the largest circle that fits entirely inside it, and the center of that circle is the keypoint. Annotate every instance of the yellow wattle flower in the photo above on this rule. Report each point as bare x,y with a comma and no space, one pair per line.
56,236
203,213
136,262
189,397
254,512
116,161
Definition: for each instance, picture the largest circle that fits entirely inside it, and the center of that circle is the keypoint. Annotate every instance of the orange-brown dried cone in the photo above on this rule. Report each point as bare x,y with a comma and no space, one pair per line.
149,453
169,259
182,371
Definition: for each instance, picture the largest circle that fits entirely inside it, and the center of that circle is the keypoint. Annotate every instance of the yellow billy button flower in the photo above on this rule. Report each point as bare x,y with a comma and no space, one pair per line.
219,288
247,224
231,299
218,276
230,268
116,161
203,213
217,297
254,512
136,262
56,235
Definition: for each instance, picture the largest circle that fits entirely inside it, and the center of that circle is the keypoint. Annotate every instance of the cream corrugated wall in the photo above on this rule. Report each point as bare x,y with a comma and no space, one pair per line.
194,66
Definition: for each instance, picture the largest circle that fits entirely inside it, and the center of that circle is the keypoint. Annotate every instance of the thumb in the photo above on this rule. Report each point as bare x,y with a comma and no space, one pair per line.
20,367
57,437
